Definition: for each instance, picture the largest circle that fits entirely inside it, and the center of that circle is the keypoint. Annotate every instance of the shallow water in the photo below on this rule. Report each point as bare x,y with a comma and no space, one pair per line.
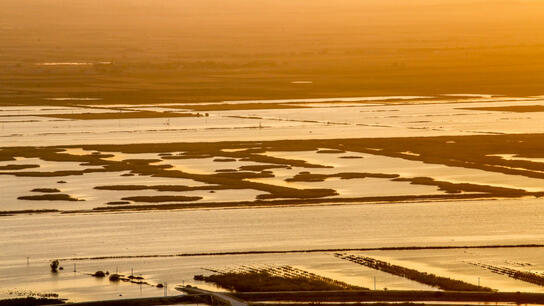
44,166
341,99
367,187
372,225
409,169
514,157
45,237
207,165
82,187
455,264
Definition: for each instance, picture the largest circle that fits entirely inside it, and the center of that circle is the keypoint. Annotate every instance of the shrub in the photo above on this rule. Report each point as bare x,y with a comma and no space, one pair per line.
99,274
54,265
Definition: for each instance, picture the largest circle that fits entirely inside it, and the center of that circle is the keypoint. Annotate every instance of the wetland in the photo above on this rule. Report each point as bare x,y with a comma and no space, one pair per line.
348,151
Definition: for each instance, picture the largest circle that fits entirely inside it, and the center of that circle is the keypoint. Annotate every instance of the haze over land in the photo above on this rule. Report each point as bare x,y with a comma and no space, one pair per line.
223,50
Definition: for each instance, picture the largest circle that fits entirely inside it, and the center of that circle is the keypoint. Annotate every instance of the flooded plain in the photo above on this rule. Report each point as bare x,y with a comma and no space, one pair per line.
405,118
170,191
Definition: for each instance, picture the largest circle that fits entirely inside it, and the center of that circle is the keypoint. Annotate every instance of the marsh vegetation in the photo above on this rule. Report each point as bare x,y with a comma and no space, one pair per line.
433,280
255,162
275,278
525,276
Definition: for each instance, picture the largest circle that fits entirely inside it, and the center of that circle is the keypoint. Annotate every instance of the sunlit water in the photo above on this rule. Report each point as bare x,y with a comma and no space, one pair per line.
423,118
45,237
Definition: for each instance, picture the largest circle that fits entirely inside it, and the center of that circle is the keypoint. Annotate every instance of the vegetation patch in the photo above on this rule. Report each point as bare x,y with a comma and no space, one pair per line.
139,280
159,199
18,167
281,278
30,301
267,201
225,170
224,160
45,190
306,176
50,197
121,115
262,167
54,173
99,274
440,282
27,211
242,175
300,193
467,187
330,151
159,187
235,106
118,203
525,276
474,152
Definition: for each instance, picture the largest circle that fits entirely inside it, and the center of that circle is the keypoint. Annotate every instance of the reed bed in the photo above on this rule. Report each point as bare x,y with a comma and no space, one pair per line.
525,276
267,278
433,280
